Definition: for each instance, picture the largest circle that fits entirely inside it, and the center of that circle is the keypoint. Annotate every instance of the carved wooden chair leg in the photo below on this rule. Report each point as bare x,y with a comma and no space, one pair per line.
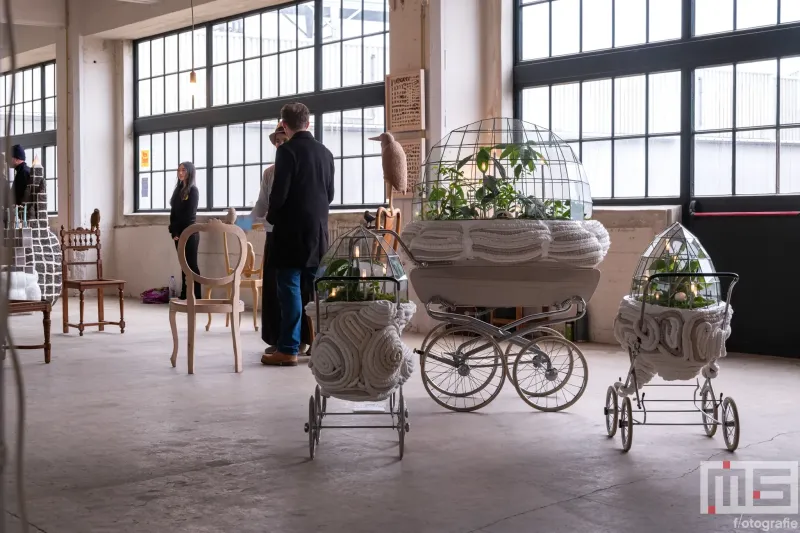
65,310
100,310
121,290
237,341
228,316
173,324
46,324
256,298
191,318
80,324
208,297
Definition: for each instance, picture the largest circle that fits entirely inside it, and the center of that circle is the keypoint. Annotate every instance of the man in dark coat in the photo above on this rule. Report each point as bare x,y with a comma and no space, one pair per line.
22,174
298,211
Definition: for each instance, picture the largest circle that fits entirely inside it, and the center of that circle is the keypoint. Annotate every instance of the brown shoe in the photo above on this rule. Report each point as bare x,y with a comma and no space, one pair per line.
279,359
269,350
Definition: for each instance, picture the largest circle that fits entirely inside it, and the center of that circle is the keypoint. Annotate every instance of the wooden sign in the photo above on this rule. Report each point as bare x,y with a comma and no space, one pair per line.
144,159
415,155
405,101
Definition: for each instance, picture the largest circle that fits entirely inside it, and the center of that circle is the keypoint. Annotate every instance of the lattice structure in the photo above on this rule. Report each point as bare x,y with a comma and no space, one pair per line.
502,168
678,253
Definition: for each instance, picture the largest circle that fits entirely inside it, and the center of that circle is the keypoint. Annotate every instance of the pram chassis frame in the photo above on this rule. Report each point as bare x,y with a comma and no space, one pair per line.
710,420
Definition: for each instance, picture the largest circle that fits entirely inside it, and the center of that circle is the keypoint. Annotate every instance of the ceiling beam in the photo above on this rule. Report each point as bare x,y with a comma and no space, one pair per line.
41,13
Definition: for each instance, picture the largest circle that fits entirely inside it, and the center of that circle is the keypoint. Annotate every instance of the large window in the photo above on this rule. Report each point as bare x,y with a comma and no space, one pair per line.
667,98
331,55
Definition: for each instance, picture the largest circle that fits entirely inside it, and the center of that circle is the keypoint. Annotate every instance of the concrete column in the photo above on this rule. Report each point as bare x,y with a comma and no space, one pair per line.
497,34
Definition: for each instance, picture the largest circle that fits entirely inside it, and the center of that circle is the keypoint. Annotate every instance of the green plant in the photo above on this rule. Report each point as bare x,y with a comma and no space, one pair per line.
684,291
351,290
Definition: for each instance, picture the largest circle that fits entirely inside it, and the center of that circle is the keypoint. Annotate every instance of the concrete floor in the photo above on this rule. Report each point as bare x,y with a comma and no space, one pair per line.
118,441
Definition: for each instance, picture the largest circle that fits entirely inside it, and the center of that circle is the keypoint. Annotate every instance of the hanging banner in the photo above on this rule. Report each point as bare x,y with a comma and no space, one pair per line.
144,159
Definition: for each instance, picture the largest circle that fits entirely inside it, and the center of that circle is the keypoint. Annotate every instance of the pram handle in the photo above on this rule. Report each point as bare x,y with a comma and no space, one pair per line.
667,275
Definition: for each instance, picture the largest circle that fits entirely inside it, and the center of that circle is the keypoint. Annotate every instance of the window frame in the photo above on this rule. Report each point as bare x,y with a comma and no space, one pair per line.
685,54
319,101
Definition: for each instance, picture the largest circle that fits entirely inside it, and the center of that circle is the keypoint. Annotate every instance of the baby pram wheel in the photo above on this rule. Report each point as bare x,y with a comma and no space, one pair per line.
462,369
550,373
710,408
612,411
626,424
730,424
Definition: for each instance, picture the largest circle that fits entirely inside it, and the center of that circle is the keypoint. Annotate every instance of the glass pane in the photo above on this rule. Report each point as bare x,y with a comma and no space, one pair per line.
171,54
305,24
202,187
200,147
596,157
713,98
305,70
352,132
252,184
374,186
665,102
790,161
220,141
36,115
269,77
235,82
790,11
157,151
252,79
713,16
597,25
269,32
630,18
536,106
27,85
199,89
220,85
143,53
351,19
171,93
199,48
37,83
331,20
144,191
629,105
158,96
252,142
27,114
144,98
50,80
756,158
373,126
713,158
664,166
566,27
185,50
665,20
235,144
235,40
629,168
236,186
186,152
331,132
352,183
337,189
288,73
565,112
18,98
790,90
157,57
220,193
157,187
144,145
288,28
351,63
267,149
536,31
219,43
171,159
756,93
756,13
596,109
252,36
374,53
331,66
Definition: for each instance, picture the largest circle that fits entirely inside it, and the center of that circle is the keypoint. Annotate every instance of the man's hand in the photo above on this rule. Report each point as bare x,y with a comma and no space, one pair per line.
175,238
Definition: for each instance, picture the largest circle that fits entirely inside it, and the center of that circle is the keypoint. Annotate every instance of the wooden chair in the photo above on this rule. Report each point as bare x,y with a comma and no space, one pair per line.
252,277
231,305
19,307
84,240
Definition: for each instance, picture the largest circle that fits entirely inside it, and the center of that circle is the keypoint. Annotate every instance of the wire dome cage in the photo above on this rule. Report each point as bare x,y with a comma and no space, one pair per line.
502,168
683,269
361,266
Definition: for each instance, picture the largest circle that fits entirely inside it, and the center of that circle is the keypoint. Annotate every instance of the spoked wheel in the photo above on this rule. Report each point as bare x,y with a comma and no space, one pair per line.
710,408
402,423
550,373
626,424
319,402
462,369
311,427
730,423
612,411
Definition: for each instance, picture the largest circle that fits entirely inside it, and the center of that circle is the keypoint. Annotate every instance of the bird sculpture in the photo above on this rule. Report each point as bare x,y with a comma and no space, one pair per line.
94,220
230,217
395,170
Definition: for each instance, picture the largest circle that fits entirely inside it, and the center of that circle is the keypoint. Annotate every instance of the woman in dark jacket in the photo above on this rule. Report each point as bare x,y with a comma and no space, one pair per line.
183,213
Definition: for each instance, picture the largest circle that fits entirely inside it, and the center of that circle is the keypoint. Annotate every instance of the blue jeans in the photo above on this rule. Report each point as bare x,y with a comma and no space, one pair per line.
291,284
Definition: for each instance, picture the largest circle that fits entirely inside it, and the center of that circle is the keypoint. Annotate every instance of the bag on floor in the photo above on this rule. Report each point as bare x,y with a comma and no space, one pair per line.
156,296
